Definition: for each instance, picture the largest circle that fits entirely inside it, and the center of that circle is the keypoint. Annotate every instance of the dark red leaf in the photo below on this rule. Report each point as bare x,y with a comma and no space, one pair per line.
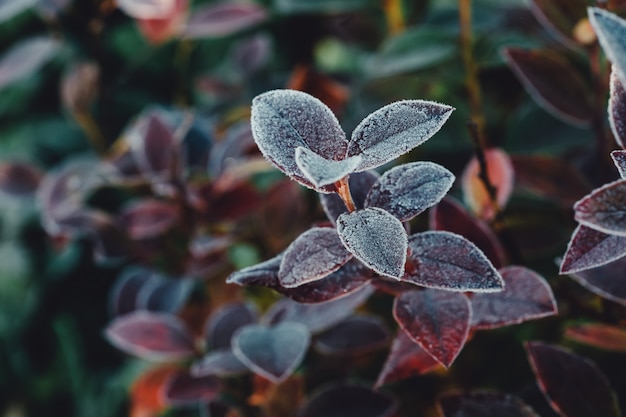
573,385
439,321
223,323
152,336
223,19
448,261
617,110
526,296
602,336
619,159
230,204
560,16
360,184
123,297
25,58
589,248
149,218
355,335
553,82
19,178
484,404
604,209
184,389
219,362
607,281
349,401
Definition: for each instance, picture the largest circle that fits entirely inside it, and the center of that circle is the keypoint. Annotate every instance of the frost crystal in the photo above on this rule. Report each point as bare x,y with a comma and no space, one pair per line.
321,171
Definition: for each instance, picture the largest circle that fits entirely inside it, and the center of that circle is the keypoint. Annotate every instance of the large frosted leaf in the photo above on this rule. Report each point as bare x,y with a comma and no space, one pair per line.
611,32
349,401
321,171
448,261
619,159
526,296
223,19
589,248
604,209
484,404
360,184
617,110
573,385
599,335
607,281
396,129
283,120
376,238
407,190
25,58
439,321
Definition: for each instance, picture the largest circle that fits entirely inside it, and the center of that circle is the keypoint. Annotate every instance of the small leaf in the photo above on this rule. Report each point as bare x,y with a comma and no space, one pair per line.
219,362
589,248
560,17
153,145
526,296
223,323
553,82
611,32
450,262
484,403
619,159
123,296
25,58
146,9
354,335
360,184
321,171
407,190
349,401
602,336
439,321
19,178
272,352
608,281
283,120
264,274
376,238
604,209
152,336
617,109
584,391
314,255
163,294
223,19
395,129
185,389
149,218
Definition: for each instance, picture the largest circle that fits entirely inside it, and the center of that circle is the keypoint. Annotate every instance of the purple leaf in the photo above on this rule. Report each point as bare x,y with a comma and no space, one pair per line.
349,401
272,352
219,362
395,129
448,261
589,248
484,404
617,110
25,58
18,178
145,219
321,171
526,296
573,385
604,209
223,323
376,238
602,336
354,335
314,255
153,145
146,9
406,359
252,54
152,336
185,389
360,184
283,120
123,297
608,281
223,19
407,190
619,159
611,32
439,321
161,294
263,274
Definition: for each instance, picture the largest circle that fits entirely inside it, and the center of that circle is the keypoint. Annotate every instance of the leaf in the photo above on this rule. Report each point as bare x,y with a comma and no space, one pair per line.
619,159
439,321
317,6
283,120
484,404
584,392
360,184
448,261
153,145
355,335
395,129
349,401
151,336
526,296
560,17
589,248
11,8
407,190
146,9
223,323
147,391
599,335
220,362
500,173
123,296
272,352
608,281
264,274
406,359
162,294
314,255
19,178
553,83
25,58
449,215
376,238
185,389
149,218
617,109
604,209
611,32
252,54
161,29
321,171
223,19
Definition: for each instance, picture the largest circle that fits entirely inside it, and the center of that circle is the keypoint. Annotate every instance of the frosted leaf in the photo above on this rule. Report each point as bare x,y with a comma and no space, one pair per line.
360,184
283,120
611,32
449,261
146,9
608,281
312,256
25,58
604,209
589,248
617,110
619,159
264,273
321,171
395,129
376,238
407,190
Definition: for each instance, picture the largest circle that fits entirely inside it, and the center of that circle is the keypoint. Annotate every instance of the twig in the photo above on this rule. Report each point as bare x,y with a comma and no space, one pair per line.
343,189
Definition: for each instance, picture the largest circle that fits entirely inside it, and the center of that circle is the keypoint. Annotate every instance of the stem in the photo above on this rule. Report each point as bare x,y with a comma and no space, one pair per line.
343,189
394,16
86,121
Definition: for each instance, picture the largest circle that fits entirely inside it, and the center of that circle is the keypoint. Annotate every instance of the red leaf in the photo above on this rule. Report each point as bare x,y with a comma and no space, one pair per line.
603,209
184,389
439,321
149,218
146,9
617,110
560,17
19,178
589,248
619,159
161,29
223,19
484,403
602,336
147,392
573,385
354,335
526,296
607,281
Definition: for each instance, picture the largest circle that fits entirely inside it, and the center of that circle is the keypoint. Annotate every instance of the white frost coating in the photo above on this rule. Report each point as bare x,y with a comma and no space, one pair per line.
376,238
146,9
407,190
604,209
617,110
619,159
321,171
611,32
589,248
395,129
315,254
283,120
